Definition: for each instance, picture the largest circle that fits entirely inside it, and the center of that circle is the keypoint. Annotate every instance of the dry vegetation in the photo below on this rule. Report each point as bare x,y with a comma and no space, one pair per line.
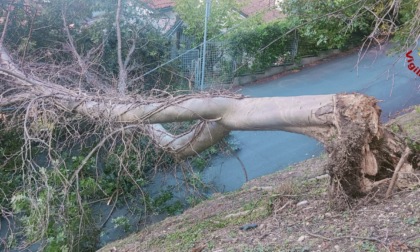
293,212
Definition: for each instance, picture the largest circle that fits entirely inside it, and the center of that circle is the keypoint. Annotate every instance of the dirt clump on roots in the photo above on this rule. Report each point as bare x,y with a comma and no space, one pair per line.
357,123
363,154
290,211
343,166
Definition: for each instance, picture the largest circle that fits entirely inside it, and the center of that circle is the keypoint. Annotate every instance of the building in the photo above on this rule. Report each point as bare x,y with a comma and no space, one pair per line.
268,9
165,18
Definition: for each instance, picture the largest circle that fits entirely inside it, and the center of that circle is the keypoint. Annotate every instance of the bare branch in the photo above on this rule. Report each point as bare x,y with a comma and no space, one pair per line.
394,178
3,34
29,38
73,49
122,78
130,52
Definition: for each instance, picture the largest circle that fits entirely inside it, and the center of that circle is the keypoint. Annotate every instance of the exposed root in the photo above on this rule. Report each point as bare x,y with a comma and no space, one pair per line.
363,152
350,155
396,171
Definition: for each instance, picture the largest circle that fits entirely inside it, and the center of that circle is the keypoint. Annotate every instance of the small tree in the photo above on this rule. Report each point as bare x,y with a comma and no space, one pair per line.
332,23
224,15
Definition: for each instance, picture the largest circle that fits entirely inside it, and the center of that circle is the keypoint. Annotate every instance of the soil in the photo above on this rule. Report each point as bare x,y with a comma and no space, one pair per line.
291,211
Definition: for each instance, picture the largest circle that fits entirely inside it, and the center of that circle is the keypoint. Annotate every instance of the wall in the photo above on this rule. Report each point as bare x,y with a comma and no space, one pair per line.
247,79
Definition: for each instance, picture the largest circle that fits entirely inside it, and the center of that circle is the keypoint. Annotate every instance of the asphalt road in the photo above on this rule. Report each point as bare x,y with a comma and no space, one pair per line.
384,77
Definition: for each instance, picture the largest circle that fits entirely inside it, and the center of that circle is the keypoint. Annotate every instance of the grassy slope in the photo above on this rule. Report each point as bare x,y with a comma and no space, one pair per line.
372,224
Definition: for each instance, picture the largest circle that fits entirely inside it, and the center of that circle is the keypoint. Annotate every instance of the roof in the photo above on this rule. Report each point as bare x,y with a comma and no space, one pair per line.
160,4
250,7
268,9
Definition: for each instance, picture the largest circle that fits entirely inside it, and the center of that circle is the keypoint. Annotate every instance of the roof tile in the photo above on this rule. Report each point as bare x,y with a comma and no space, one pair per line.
251,7
160,4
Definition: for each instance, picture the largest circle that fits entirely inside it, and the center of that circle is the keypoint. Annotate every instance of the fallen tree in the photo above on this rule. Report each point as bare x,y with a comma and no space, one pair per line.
82,95
361,150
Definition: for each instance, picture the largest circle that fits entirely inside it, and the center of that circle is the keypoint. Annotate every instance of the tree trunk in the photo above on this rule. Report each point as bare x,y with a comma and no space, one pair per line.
361,151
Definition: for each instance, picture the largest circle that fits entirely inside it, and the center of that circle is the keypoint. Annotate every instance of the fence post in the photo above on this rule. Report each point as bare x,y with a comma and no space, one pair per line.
203,64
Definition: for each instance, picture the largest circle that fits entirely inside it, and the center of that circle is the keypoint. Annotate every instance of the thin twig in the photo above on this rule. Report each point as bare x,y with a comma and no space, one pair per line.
110,212
239,160
96,148
122,74
403,158
6,22
283,207
341,237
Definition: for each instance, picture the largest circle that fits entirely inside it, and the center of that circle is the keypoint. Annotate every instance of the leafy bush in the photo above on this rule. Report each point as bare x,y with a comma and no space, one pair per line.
261,46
